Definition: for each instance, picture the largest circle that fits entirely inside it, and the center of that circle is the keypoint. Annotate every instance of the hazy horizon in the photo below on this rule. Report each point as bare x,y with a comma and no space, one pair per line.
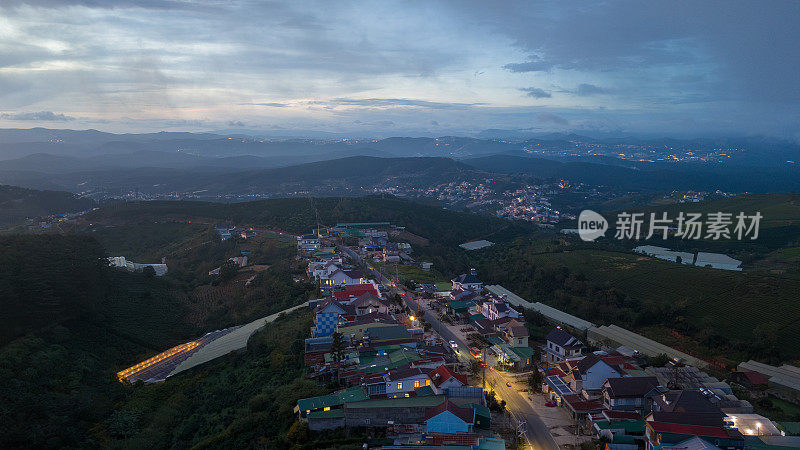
402,69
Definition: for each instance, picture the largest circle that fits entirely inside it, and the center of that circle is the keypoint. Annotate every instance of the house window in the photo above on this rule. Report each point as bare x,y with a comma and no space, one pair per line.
399,385
367,421
427,382
416,383
327,408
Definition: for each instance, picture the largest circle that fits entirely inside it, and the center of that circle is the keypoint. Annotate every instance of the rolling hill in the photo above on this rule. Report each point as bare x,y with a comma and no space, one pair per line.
699,178
18,204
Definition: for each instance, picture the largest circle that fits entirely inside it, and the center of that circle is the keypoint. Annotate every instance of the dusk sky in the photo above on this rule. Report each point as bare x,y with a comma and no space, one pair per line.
402,68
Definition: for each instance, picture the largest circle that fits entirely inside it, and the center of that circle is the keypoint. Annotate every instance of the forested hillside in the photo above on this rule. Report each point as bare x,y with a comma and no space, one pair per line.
69,323
17,204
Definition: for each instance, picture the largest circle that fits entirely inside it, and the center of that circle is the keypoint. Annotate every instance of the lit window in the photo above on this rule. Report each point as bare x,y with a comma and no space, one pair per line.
416,383
327,408
399,385
427,382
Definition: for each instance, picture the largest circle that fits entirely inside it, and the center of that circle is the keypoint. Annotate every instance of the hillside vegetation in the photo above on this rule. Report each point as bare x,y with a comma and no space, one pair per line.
69,323
18,204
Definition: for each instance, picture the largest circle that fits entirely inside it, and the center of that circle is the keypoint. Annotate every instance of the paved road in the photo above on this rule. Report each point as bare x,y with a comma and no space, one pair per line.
233,341
537,434
536,431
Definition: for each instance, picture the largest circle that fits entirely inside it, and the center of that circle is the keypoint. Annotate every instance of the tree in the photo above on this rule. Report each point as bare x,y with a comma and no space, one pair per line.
535,380
228,271
474,367
337,347
149,272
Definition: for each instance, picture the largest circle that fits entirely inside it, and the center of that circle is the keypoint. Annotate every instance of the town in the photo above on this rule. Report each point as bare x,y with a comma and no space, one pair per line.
451,362
423,363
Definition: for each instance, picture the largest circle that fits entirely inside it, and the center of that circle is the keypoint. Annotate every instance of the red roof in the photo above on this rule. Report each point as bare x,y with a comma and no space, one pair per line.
755,377
689,430
441,374
355,290
554,371
578,405
465,414
424,361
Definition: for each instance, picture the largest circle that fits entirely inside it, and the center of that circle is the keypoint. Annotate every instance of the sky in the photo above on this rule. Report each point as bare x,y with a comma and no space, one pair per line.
680,68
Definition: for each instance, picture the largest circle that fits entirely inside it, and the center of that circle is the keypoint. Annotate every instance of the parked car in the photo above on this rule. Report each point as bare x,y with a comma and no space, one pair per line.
550,404
453,344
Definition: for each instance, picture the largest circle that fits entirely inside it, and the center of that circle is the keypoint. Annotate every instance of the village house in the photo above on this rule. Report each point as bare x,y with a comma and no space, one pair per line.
467,282
391,253
369,303
308,242
515,333
341,277
326,316
561,345
630,393
589,373
403,382
449,418
444,378
494,309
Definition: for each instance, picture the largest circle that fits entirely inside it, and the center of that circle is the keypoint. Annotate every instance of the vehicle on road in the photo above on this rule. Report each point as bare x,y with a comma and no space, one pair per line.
508,384
453,344
550,404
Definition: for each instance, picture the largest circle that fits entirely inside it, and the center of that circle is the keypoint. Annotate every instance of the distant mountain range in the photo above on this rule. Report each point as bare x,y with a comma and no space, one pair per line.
91,160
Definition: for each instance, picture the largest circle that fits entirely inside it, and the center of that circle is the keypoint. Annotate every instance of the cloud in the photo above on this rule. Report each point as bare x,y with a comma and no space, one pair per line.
529,66
206,61
271,104
551,118
377,123
235,123
391,102
536,92
44,116
586,90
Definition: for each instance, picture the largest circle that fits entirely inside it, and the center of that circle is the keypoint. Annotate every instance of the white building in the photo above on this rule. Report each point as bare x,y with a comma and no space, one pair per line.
717,261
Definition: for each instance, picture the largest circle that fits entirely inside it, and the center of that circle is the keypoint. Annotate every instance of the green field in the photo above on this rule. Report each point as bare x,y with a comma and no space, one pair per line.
732,304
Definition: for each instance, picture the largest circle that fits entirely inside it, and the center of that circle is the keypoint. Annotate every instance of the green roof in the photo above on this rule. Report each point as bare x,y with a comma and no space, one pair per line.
396,359
476,317
332,414
402,402
353,394
523,352
461,305
389,333
442,286
479,409
629,426
623,439
495,340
